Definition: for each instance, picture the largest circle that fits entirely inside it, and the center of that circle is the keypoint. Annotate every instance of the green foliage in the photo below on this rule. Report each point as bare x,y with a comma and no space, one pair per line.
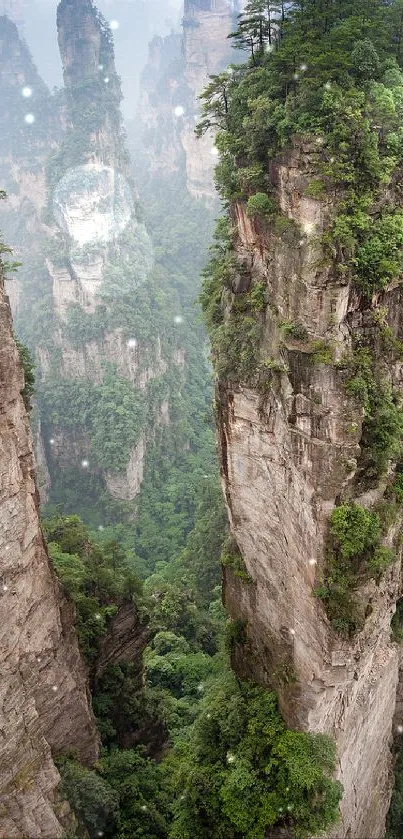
383,417
316,189
112,412
355,554
140,786
354,530
397,622
260,205
379,260
296,331
236,633
380,561
242,772
28,365
97,578
258,297
322,352
93,801
397,486
395,816
231,557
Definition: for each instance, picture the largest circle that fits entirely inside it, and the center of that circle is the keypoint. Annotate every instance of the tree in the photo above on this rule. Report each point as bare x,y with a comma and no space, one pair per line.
215,108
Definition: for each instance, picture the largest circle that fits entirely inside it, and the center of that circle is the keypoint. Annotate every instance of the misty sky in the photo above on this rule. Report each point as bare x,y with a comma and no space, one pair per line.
139,21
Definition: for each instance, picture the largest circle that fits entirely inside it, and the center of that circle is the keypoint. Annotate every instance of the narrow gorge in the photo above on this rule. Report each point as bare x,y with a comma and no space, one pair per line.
202,640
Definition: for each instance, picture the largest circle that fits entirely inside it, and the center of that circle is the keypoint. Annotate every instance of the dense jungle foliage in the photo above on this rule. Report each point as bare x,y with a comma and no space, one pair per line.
323,81
188,750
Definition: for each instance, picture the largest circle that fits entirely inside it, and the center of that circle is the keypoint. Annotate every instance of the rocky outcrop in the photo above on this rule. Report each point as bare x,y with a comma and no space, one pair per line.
175,75
29,132
289,453
44,704
164,96
126,640
84,232
206,51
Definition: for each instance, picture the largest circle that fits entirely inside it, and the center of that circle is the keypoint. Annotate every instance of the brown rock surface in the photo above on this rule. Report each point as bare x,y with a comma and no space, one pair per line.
44,703
286,458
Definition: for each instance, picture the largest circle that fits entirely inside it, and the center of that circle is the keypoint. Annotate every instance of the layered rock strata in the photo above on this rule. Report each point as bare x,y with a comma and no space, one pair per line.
44,702
289,453
176,74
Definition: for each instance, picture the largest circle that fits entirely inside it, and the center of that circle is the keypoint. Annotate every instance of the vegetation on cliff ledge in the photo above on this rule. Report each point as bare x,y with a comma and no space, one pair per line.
326,81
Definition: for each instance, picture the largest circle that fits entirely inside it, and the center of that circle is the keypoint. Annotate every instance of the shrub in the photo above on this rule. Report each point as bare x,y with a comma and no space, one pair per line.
93,801
261,205
28,365
354,529
231,557
245,773
380,561
296,331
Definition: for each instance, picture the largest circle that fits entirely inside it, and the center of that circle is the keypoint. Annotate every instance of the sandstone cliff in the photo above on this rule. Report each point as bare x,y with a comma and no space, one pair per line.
85,291
206,51
30,130
290,450
175,75
44,699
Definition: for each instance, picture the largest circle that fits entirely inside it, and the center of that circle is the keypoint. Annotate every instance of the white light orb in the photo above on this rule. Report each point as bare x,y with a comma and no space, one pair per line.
29,119
54,688
92,204
292,631
132,343
214,151
85,464
5,588
114,24
100,66
51,441
101,527
179,111
106,79
303,67
313,562
26,92
38,658
178,319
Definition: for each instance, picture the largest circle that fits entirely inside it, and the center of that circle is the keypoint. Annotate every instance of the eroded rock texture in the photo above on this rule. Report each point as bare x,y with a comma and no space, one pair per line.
176,74
44,704
206,51
288,454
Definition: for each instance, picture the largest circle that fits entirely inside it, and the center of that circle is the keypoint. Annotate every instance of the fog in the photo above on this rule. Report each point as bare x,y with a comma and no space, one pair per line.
136,22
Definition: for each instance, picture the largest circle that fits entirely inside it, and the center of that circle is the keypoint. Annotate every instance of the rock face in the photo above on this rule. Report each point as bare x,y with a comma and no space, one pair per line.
206,51
288,454
79,225
43,696
126,640
29,132
175,76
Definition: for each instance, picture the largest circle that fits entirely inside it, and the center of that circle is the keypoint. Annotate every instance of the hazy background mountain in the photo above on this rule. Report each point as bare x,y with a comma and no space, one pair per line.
139,21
